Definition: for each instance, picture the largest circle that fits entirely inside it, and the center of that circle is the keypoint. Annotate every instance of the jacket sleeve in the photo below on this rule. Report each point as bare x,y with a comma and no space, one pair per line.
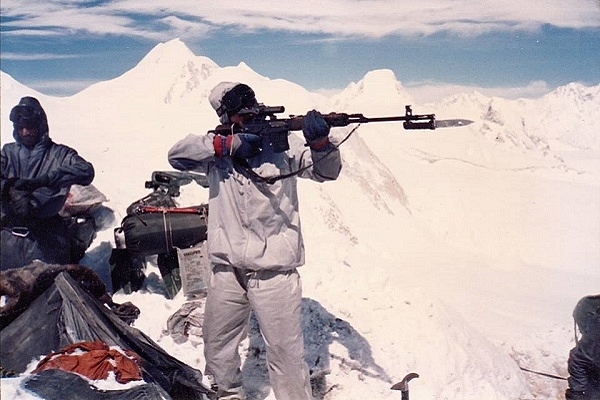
66,168
323,165
192,153
580,364
73,170
4,173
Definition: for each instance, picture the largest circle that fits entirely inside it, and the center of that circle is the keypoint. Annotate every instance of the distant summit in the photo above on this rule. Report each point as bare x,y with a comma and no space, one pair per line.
378,87
169,73
175,53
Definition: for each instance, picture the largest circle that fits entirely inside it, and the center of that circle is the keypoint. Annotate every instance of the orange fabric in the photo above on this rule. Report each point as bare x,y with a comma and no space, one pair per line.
94,360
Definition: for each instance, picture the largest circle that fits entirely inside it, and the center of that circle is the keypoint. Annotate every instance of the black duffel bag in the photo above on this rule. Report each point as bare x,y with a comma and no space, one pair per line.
161,230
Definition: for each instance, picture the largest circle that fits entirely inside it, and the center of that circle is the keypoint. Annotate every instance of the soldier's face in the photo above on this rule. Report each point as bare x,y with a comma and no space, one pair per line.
30,136
240,119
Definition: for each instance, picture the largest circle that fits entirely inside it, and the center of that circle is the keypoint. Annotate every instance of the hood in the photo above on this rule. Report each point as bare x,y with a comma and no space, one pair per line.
30,108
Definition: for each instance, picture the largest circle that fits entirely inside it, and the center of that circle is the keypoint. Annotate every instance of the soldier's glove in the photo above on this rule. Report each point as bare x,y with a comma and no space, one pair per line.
20,200
315,130
32,183
575,395
8,183
241,145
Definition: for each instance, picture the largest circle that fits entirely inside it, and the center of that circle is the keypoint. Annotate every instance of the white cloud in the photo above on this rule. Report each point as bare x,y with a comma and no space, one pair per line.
185,29
36,56
373,18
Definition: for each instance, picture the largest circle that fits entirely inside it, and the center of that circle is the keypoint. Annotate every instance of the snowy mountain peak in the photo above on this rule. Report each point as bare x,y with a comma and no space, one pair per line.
378,92
379,77
244,66
381,83
569,113
473,97
575,93
571,89
174,71
173,52
171,47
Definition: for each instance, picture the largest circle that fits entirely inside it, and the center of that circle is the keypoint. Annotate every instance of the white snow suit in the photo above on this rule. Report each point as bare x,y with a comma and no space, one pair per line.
254,245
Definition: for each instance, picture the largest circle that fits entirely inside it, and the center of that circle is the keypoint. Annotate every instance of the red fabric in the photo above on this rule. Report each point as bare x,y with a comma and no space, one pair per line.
222,145
94,360
319,144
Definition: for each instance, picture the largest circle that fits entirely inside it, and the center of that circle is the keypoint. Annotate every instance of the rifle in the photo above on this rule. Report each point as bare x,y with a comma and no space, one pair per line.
265,123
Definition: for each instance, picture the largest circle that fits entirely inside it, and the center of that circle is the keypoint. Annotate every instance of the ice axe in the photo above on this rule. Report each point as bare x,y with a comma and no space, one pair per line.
402,386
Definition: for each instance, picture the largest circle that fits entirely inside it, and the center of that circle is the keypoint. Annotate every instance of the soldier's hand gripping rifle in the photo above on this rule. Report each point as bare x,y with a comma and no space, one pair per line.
265,123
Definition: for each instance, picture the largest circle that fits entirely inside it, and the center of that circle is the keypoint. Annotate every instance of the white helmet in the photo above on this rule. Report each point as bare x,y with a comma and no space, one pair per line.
228,98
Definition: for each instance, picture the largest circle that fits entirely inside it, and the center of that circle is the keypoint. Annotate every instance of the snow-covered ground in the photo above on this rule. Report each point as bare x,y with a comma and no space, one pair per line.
457,254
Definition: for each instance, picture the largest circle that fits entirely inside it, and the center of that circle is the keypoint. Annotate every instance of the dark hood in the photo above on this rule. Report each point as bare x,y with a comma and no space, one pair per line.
33,104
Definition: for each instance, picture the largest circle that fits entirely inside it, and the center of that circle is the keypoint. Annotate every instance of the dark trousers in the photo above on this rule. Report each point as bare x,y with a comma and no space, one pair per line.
45,240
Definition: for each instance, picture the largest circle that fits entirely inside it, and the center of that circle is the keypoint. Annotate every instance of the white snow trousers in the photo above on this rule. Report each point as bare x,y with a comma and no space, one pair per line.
275,297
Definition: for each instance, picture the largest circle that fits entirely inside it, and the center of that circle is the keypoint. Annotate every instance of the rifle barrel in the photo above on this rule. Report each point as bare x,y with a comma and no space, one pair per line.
361,118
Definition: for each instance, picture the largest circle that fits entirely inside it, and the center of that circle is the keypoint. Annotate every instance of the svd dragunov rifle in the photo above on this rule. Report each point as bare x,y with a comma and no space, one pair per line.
264,122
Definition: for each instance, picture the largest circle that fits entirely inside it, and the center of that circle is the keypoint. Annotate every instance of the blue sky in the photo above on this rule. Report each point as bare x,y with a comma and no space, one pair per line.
501,46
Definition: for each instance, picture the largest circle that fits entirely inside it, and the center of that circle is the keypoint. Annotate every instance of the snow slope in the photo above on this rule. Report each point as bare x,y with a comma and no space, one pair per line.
457,253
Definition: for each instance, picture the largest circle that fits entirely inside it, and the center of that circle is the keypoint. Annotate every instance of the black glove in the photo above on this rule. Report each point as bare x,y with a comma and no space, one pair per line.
7,185
315,130
575,395
20,200
32,184
242,145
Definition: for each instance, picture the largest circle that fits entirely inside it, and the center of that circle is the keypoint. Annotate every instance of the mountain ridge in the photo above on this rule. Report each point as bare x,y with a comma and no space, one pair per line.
172,76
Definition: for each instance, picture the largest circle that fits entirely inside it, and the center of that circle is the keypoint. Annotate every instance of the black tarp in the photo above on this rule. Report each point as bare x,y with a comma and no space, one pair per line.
65,314
51,384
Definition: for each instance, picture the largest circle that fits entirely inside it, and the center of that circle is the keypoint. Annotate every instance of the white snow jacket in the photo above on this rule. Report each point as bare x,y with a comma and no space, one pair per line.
251,224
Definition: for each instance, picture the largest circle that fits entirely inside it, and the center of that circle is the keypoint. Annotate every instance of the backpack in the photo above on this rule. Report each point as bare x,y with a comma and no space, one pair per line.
78,218
81,232
155,225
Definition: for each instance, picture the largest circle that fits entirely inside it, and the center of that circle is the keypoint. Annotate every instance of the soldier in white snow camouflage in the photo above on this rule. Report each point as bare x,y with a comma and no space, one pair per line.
254,240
